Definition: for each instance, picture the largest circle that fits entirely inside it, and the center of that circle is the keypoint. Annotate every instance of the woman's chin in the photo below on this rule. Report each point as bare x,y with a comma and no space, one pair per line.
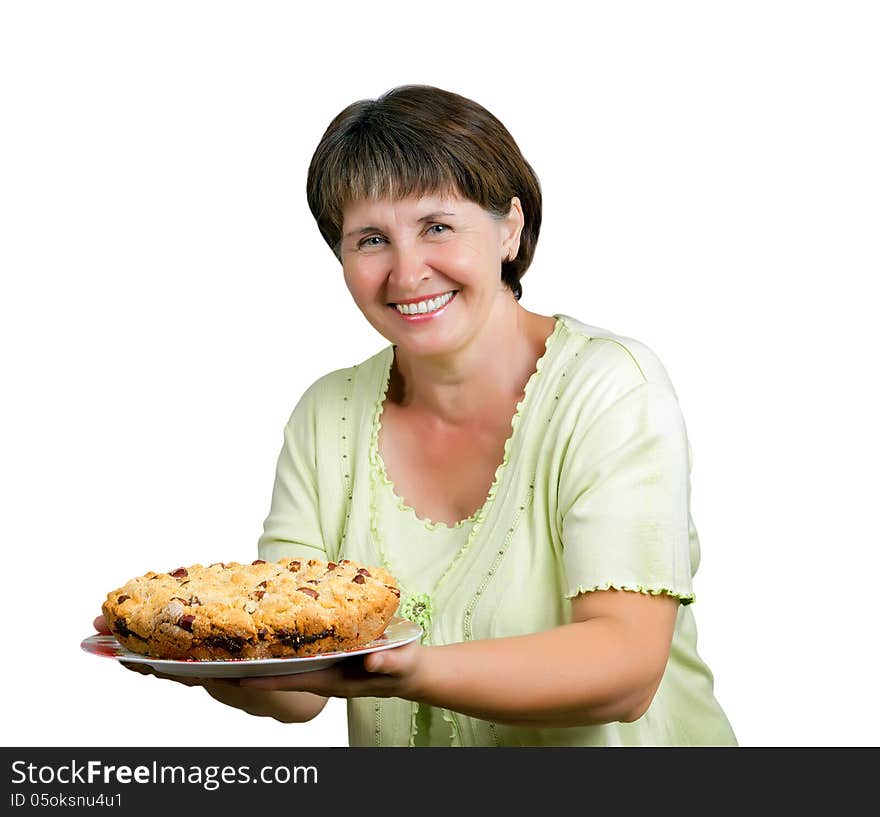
419,334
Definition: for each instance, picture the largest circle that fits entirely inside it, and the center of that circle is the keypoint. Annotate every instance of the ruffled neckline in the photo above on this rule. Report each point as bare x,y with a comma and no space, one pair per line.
387,484
477,517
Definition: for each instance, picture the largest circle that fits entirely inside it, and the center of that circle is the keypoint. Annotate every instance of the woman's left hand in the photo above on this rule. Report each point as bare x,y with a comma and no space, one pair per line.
385,674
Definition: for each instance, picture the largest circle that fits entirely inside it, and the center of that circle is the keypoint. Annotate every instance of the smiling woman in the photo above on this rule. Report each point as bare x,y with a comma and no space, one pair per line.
524,477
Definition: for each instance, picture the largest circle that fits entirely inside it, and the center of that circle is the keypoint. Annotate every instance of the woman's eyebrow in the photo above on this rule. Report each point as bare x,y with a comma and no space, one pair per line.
428,217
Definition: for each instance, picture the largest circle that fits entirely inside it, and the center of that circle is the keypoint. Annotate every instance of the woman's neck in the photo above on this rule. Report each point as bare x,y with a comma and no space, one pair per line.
490,372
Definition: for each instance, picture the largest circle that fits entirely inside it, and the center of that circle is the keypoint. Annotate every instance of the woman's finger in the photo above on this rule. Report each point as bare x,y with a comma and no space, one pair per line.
396,661
145,669
100,624
377,662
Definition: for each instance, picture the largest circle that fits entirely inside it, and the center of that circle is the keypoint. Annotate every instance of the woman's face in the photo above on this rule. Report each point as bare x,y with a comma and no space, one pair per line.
426,272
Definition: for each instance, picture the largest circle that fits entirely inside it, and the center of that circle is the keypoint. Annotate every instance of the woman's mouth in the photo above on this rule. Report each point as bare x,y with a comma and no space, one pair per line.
426,308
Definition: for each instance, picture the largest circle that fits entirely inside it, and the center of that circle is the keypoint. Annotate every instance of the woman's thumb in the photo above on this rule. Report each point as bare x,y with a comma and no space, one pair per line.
380,662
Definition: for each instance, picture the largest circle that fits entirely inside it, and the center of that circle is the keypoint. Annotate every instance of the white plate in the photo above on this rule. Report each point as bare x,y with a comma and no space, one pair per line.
399,631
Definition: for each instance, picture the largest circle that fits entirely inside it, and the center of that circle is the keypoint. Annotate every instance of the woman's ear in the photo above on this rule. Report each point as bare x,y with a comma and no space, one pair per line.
514,222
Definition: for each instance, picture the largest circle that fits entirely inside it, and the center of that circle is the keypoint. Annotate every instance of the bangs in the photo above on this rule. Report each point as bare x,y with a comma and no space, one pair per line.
376,167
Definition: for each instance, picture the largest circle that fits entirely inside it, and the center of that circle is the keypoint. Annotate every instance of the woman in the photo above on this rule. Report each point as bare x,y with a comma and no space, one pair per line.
525,477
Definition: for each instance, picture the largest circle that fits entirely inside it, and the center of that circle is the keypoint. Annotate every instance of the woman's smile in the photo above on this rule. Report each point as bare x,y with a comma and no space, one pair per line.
416,310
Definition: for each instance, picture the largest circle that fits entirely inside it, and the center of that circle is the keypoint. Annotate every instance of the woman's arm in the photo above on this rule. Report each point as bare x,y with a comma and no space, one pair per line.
604,666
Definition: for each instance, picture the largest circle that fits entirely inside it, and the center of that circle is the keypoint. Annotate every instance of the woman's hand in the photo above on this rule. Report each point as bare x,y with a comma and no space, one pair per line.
100,624
282,706
396,672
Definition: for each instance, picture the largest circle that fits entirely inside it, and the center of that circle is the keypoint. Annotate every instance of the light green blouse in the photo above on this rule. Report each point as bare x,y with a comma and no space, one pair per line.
593,493
424,549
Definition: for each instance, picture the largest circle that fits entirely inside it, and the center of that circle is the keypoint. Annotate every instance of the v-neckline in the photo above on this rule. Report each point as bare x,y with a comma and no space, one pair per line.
378,464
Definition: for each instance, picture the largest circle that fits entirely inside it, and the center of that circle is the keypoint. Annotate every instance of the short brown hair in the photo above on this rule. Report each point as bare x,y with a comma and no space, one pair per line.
421,140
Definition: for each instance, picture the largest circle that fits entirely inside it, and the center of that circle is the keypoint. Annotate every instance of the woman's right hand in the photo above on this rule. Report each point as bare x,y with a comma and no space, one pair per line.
100,624
288,707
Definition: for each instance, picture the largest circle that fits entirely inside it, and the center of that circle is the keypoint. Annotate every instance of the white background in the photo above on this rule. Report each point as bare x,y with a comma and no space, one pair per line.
710,175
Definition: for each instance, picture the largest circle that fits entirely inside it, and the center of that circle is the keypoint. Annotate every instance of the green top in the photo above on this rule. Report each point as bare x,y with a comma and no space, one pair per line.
593,492
426,548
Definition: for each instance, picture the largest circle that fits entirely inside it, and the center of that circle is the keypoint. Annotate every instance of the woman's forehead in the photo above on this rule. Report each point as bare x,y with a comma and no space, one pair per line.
410,208
412,202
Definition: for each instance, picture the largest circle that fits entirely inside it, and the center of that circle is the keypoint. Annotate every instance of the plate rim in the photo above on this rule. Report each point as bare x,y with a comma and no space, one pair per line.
125,654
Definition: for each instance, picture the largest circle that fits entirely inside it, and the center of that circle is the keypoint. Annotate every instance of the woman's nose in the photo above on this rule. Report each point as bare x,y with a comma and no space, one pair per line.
408,267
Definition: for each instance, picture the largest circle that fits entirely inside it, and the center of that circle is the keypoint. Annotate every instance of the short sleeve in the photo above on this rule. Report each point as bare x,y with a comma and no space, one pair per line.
293,527
624,498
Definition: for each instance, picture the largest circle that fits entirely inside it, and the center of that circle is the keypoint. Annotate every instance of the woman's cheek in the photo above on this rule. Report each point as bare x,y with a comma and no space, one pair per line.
363,279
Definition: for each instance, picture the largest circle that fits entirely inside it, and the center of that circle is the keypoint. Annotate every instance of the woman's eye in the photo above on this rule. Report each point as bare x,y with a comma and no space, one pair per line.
369,240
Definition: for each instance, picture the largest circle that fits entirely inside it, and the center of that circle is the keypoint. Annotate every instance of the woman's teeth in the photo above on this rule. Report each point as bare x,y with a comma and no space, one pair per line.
423,307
